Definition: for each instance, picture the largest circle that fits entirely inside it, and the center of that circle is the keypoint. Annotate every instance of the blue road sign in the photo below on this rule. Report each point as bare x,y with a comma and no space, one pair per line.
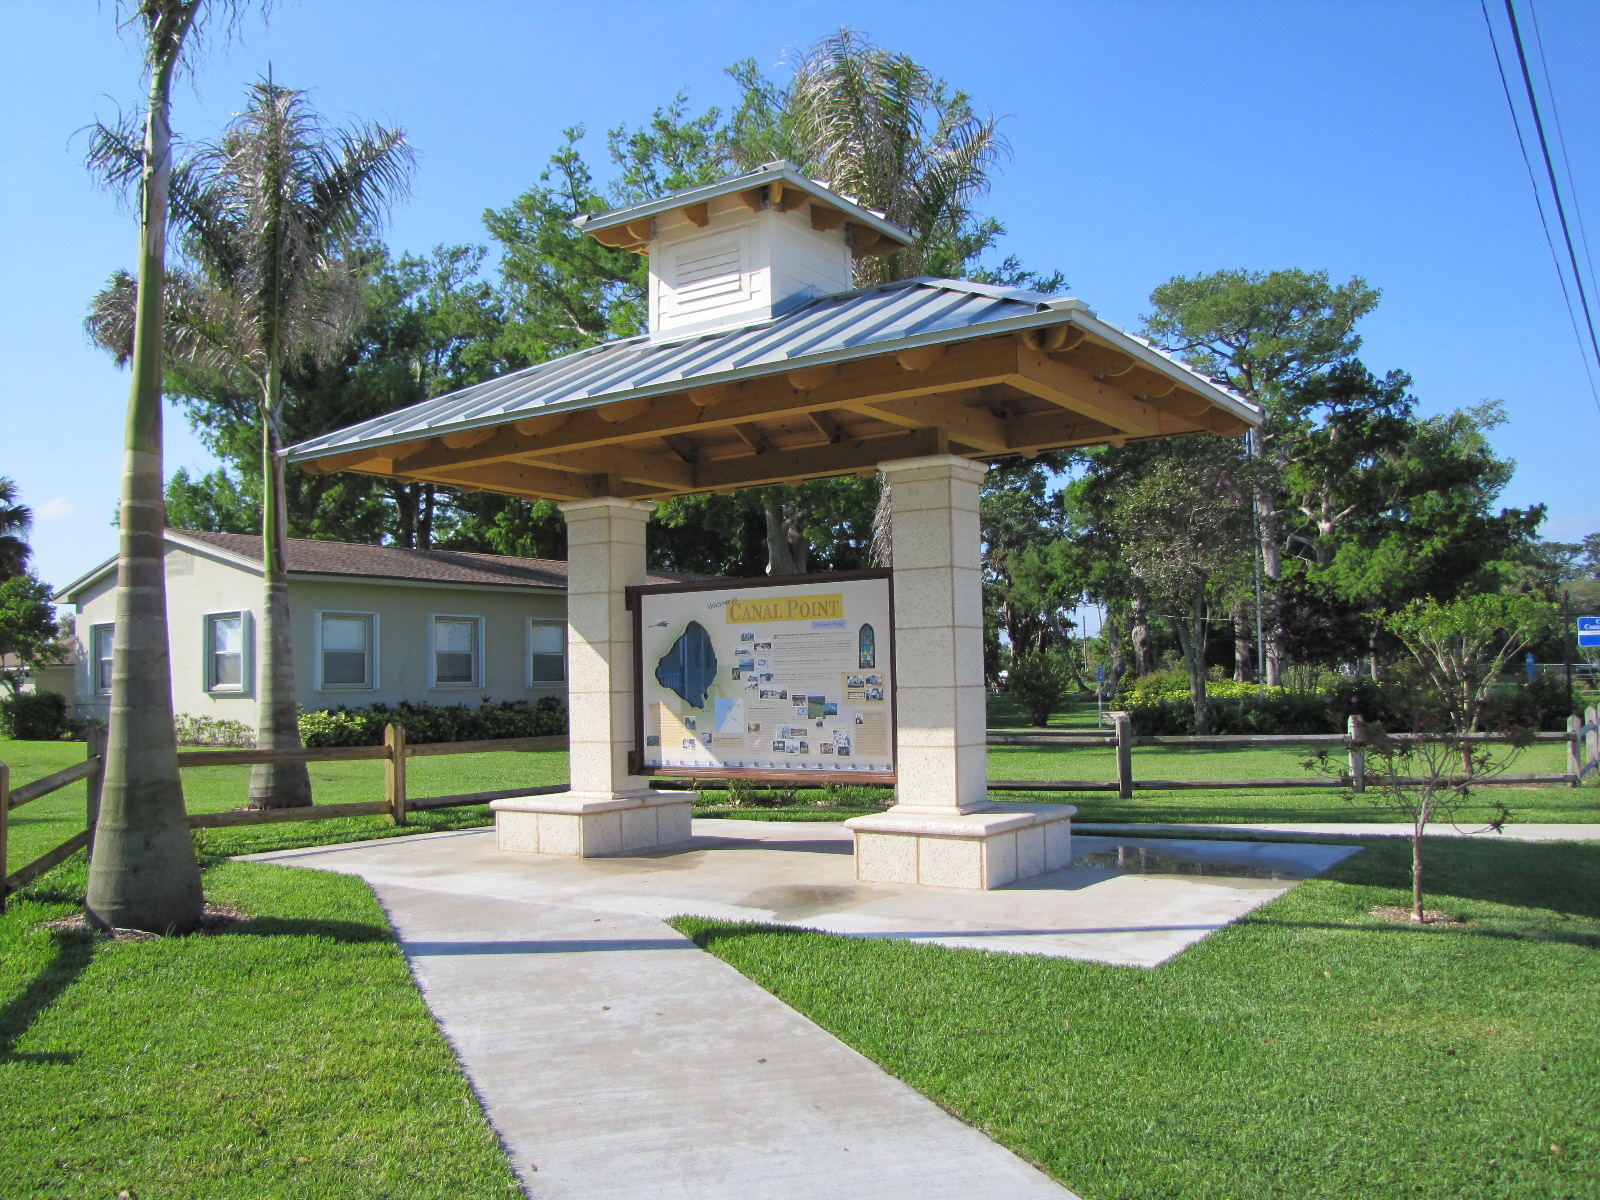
1589,632
1532,666
1101,673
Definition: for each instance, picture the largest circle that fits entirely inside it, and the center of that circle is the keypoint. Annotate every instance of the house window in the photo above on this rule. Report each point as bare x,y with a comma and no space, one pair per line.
547,651
100,658
457,651
227,665
347,645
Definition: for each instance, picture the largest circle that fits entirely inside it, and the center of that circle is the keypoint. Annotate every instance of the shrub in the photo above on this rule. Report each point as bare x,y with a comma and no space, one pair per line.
213,731
35,717
426,723
1038,682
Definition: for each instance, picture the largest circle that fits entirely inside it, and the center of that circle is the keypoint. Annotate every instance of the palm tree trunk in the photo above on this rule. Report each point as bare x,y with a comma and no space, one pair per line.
276,785
144,874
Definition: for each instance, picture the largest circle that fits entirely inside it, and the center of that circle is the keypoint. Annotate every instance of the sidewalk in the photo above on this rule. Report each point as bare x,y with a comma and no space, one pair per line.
618,1061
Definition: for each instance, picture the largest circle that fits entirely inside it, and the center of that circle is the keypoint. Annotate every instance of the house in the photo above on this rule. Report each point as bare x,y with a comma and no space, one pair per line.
370,624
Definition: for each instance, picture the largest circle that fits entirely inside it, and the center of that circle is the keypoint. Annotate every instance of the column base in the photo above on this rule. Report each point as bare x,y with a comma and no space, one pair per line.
592,824
977,851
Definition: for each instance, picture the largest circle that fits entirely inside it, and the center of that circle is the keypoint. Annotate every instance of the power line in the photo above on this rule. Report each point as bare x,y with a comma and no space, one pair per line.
1561,137
1538,200
1555,187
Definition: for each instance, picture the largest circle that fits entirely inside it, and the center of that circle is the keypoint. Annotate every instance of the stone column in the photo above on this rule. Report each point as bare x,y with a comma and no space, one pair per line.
944,830
608,810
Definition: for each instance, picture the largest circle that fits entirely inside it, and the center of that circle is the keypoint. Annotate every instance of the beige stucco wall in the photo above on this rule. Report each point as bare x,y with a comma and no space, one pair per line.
199,584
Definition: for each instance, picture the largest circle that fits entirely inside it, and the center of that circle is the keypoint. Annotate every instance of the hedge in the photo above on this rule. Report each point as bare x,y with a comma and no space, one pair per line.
1541,704
35,717
433,722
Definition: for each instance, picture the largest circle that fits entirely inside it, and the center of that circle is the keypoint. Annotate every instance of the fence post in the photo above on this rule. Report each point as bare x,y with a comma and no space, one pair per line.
394,771
1358,754
95,748
1574,757
1122,723
1591,716
5,831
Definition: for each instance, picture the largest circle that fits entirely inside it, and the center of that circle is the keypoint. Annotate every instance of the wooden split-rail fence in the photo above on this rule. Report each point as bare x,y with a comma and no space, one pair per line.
1581,737
395,805
1582,740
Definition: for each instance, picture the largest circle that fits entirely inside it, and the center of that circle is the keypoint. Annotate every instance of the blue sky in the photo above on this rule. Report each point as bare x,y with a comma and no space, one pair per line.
1150,139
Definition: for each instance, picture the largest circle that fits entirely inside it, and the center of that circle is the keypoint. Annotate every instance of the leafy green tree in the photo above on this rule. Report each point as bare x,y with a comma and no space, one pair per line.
29,634
1463,645
267,213
144,874
16,520
216,502
1262,333
1184,530
1038,681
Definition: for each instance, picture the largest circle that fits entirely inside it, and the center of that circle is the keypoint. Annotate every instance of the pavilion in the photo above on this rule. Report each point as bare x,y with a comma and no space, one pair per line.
763,365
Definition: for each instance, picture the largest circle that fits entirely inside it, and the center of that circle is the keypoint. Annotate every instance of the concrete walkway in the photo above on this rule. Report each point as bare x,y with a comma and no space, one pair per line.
619,1061
1550,832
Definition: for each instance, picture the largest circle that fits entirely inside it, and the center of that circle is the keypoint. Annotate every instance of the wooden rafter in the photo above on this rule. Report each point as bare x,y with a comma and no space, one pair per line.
976,396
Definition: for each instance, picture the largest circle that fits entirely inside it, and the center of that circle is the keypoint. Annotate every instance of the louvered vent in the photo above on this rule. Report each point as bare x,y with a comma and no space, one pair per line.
707,274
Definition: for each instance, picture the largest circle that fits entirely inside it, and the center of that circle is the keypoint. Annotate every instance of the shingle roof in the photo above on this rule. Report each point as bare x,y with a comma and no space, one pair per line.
861,324
309,556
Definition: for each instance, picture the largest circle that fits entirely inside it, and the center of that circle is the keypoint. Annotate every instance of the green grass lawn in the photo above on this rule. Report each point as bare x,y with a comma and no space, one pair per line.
1309,1050
291,1057
49,821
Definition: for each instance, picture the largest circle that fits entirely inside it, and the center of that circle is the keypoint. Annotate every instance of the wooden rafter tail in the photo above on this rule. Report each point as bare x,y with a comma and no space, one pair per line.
825,218
1074,388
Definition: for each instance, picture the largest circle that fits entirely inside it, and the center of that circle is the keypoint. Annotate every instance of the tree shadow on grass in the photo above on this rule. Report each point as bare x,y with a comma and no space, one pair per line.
1559,876
73,951
347,932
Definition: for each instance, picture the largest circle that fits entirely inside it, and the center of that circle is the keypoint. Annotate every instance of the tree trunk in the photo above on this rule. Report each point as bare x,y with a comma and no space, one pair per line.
276,785
405,516
143,874
787,550
1192,639
1272,569
1243,647
425,521
881,552
1111,635
1416,872
1144,648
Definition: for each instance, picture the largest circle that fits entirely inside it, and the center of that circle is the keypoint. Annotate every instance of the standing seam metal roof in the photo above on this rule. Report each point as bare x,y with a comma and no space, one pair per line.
825,325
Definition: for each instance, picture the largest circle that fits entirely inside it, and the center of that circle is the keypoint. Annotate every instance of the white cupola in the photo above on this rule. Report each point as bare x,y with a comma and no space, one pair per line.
745,249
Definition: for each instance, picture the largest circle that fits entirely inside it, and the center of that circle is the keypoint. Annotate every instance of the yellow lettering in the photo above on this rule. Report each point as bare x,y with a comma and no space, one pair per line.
753,611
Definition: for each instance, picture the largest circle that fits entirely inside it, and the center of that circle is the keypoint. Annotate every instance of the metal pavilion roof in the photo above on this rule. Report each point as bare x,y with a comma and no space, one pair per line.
826,330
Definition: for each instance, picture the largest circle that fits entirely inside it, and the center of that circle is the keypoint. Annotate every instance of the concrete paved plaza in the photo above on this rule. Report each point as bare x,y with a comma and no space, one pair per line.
619,1061
1128,901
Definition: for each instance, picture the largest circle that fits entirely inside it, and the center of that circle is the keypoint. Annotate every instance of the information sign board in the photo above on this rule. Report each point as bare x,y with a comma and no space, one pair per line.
1589,632
788,678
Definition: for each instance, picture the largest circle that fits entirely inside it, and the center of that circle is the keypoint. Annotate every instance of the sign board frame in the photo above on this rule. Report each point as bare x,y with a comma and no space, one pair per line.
1588,633
714,594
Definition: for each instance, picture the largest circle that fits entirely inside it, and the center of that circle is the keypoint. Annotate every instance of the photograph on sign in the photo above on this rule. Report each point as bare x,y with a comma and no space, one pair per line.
766,678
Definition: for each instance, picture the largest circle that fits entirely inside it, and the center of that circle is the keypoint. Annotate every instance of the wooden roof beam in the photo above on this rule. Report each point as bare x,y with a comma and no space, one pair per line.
965,365
976,427
624,464
518,479
813,462
1074,388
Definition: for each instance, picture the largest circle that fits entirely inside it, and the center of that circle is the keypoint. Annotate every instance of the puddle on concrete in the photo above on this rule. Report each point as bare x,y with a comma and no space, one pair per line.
1143,860
794,902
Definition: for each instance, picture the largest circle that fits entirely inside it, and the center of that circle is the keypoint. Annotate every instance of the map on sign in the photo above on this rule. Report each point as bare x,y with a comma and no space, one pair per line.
766,678
1589,632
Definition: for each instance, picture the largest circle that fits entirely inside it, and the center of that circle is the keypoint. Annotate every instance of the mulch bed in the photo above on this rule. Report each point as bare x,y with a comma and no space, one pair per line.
218,918
1430,916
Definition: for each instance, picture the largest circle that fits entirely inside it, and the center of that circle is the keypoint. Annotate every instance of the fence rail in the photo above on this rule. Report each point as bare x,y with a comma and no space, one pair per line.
1582,740
396,803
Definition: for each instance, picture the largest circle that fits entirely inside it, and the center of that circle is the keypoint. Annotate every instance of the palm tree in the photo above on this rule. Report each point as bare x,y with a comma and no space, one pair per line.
15,521
144,874
266,216
882,129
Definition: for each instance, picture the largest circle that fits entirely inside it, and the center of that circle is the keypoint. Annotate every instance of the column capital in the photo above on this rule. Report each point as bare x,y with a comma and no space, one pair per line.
952,463
609,504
